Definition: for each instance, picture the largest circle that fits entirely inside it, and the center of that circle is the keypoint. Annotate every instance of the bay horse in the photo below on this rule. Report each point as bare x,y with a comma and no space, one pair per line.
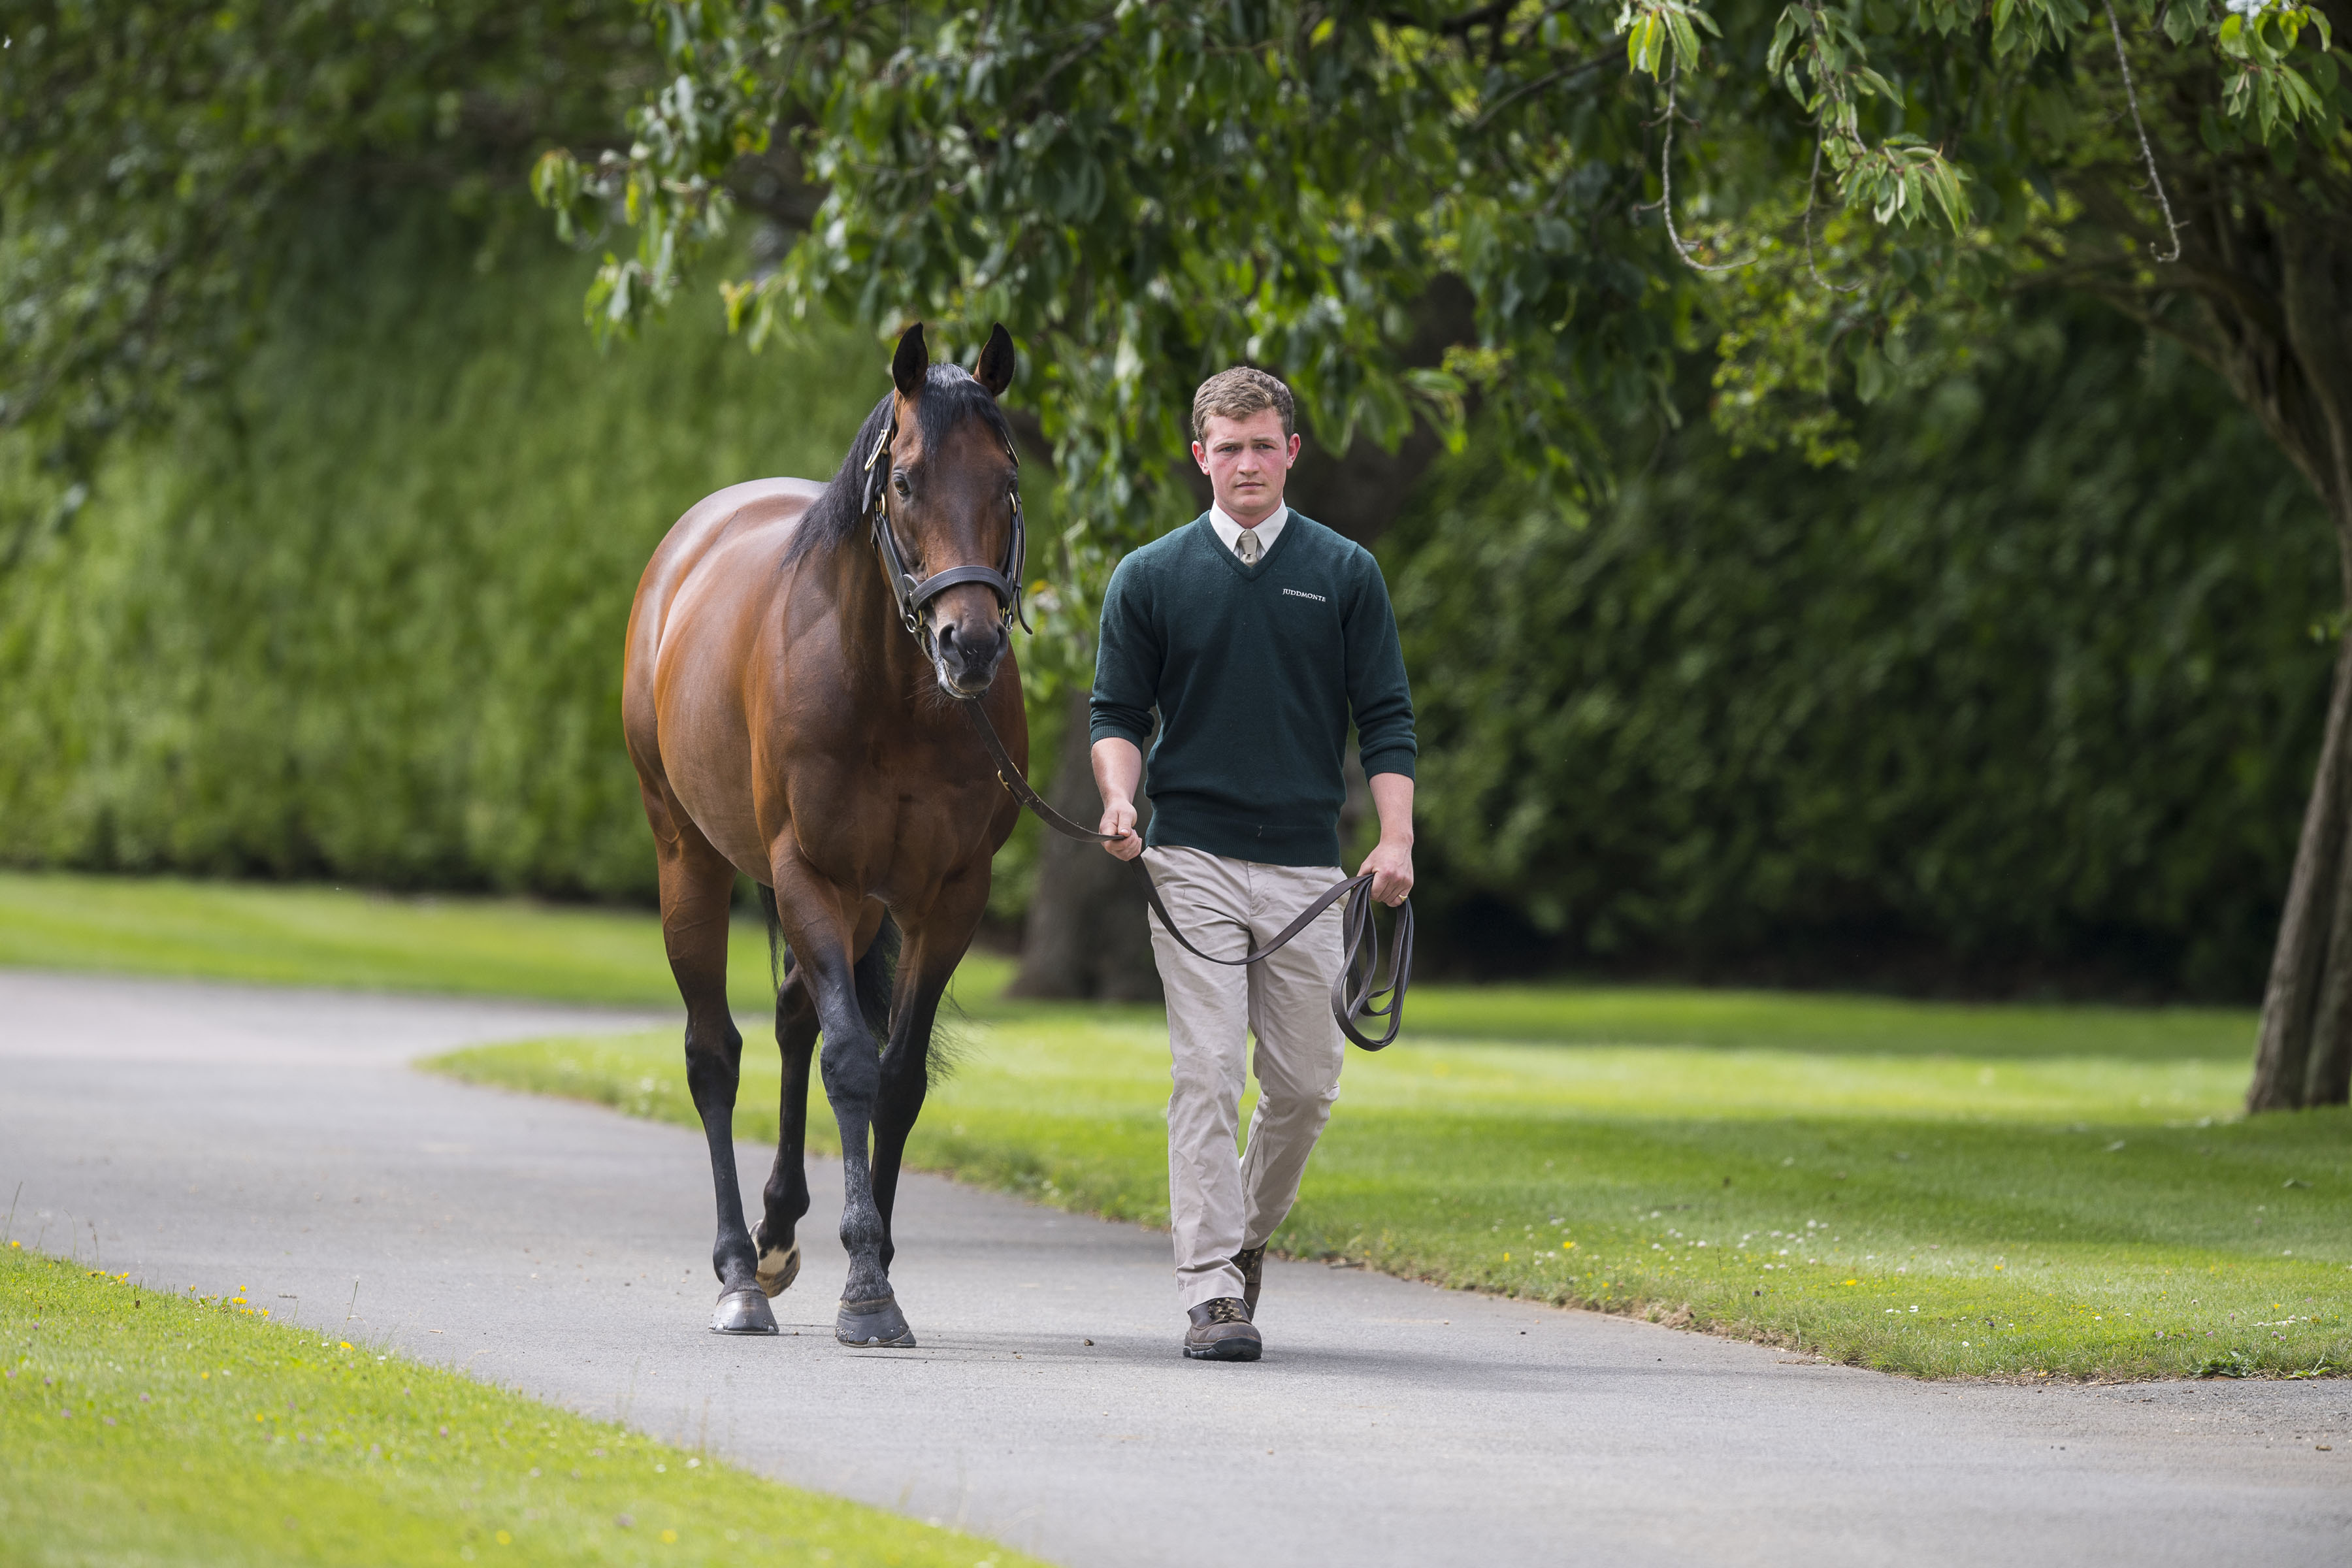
796,655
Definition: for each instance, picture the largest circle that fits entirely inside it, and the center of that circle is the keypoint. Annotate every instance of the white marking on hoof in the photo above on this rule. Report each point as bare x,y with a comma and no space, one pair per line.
778,1271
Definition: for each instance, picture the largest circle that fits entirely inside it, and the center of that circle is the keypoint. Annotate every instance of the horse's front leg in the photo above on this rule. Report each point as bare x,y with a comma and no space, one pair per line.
820,922
777,1235
934,947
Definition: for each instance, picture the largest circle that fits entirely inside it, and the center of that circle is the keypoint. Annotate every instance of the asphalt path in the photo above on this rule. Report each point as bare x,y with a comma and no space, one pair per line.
277,1142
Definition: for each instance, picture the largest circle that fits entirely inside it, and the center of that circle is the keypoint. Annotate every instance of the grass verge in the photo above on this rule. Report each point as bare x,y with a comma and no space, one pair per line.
141,1426
312,935
1978,1215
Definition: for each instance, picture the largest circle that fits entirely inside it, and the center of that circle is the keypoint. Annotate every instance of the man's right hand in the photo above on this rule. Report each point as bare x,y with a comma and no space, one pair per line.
1119,772
1118,821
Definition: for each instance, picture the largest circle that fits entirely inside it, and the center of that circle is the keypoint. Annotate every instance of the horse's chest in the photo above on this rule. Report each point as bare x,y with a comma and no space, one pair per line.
886,839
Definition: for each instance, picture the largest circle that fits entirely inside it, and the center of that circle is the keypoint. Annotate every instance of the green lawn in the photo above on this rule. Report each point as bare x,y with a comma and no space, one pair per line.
309,935
143,1427
2054,1190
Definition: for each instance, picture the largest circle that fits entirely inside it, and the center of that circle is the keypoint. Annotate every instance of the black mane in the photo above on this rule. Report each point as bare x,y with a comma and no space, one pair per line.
950,397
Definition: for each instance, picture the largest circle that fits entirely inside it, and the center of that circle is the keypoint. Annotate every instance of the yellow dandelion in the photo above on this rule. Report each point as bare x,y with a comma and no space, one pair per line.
669,1535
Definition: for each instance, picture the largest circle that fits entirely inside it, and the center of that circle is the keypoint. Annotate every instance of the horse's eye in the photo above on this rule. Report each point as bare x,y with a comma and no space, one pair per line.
899,483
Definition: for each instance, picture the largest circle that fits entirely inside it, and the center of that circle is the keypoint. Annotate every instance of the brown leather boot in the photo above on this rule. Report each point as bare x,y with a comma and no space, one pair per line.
1221,1330
1251,1261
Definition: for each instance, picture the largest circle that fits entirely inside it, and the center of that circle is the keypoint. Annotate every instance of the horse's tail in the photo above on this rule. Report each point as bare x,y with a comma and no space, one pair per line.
875,975
779,956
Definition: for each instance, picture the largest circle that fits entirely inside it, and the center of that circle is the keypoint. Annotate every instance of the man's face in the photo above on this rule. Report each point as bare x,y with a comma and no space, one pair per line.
1246,461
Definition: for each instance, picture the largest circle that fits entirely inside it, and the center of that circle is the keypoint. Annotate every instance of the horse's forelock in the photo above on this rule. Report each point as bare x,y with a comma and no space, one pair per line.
952,395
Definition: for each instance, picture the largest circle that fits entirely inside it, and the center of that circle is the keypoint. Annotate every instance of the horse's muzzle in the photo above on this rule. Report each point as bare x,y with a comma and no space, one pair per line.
968,656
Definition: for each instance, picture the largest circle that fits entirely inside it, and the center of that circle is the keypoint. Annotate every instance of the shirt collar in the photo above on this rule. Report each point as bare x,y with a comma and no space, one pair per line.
1230,532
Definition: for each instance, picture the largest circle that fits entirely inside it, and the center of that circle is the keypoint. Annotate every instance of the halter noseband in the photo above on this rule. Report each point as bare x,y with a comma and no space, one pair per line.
913,593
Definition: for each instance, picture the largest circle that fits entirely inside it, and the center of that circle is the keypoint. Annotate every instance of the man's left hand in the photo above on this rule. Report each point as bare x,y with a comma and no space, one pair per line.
1392,869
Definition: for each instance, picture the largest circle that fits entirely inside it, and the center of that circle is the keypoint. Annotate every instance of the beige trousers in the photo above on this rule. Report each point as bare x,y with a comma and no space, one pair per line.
1219,1201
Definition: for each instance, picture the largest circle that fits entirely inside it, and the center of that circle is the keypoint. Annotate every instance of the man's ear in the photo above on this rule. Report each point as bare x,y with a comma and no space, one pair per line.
997,360
913,358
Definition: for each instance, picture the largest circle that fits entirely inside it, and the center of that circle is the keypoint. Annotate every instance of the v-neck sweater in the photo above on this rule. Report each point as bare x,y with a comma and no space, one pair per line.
1255,671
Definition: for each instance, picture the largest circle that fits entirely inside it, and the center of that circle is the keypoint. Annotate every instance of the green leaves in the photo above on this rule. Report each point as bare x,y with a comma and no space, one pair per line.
2265,85
1652,27
1152,193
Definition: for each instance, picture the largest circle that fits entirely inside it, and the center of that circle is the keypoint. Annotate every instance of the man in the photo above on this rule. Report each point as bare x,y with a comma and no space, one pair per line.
1256,633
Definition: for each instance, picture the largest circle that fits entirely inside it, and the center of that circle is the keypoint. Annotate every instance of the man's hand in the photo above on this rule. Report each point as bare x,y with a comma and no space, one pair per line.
1118,821
1392,869
1119,769
1390,862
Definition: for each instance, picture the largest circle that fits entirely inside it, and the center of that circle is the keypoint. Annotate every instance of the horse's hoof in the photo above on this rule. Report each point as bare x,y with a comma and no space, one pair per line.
742,1313
873,1323
778,1271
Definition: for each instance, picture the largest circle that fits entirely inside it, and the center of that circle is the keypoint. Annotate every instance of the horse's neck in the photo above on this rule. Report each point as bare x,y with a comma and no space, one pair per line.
883,657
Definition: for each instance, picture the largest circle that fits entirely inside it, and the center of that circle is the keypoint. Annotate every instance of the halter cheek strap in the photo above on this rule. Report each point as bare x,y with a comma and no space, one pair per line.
913,593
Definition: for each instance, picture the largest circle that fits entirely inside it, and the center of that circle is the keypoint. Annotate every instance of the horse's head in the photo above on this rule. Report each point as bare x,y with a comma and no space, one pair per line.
951,500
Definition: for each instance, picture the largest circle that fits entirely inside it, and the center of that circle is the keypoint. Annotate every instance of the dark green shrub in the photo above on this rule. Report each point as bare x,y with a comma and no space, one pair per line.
2032,693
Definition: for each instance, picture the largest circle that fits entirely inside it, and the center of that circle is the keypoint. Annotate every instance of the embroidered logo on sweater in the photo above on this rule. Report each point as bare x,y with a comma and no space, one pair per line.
1300,594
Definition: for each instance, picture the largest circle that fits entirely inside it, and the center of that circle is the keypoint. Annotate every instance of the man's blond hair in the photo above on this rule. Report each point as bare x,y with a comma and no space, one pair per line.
1237,394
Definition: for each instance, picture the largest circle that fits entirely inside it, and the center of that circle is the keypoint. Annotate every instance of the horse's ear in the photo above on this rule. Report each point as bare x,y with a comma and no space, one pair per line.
996,361
913,358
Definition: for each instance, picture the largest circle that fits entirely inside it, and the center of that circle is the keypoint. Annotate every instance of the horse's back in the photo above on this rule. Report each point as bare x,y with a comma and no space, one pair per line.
767,510
700,605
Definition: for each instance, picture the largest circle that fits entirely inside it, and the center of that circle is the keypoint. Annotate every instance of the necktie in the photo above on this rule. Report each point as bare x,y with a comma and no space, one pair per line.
1246,547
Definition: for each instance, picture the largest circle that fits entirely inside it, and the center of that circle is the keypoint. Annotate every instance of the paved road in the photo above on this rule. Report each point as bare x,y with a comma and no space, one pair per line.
275,1141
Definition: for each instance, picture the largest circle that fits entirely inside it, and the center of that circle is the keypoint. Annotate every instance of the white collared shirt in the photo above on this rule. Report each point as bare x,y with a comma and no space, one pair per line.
1230,532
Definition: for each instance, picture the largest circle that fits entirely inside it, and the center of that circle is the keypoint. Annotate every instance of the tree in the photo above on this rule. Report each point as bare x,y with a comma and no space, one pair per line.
161,161
1840,195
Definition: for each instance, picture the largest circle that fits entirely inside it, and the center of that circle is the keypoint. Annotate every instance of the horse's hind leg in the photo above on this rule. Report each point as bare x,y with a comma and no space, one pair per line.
777,1237
697,888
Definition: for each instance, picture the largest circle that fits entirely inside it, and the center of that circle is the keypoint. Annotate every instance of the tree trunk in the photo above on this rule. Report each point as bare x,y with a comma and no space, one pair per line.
2271,284
1086,937
2305,1006
2302,384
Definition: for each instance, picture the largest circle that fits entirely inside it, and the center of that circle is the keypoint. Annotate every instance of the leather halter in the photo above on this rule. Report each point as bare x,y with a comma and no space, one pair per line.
912,593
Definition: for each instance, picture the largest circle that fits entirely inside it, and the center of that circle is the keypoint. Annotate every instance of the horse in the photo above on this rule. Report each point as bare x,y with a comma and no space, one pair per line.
790,700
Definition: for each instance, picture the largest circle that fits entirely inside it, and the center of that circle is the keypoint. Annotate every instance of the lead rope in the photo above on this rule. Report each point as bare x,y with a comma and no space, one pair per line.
1356,990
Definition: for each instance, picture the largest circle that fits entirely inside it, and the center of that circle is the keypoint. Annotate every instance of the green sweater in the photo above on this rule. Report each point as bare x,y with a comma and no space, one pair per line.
1255,670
